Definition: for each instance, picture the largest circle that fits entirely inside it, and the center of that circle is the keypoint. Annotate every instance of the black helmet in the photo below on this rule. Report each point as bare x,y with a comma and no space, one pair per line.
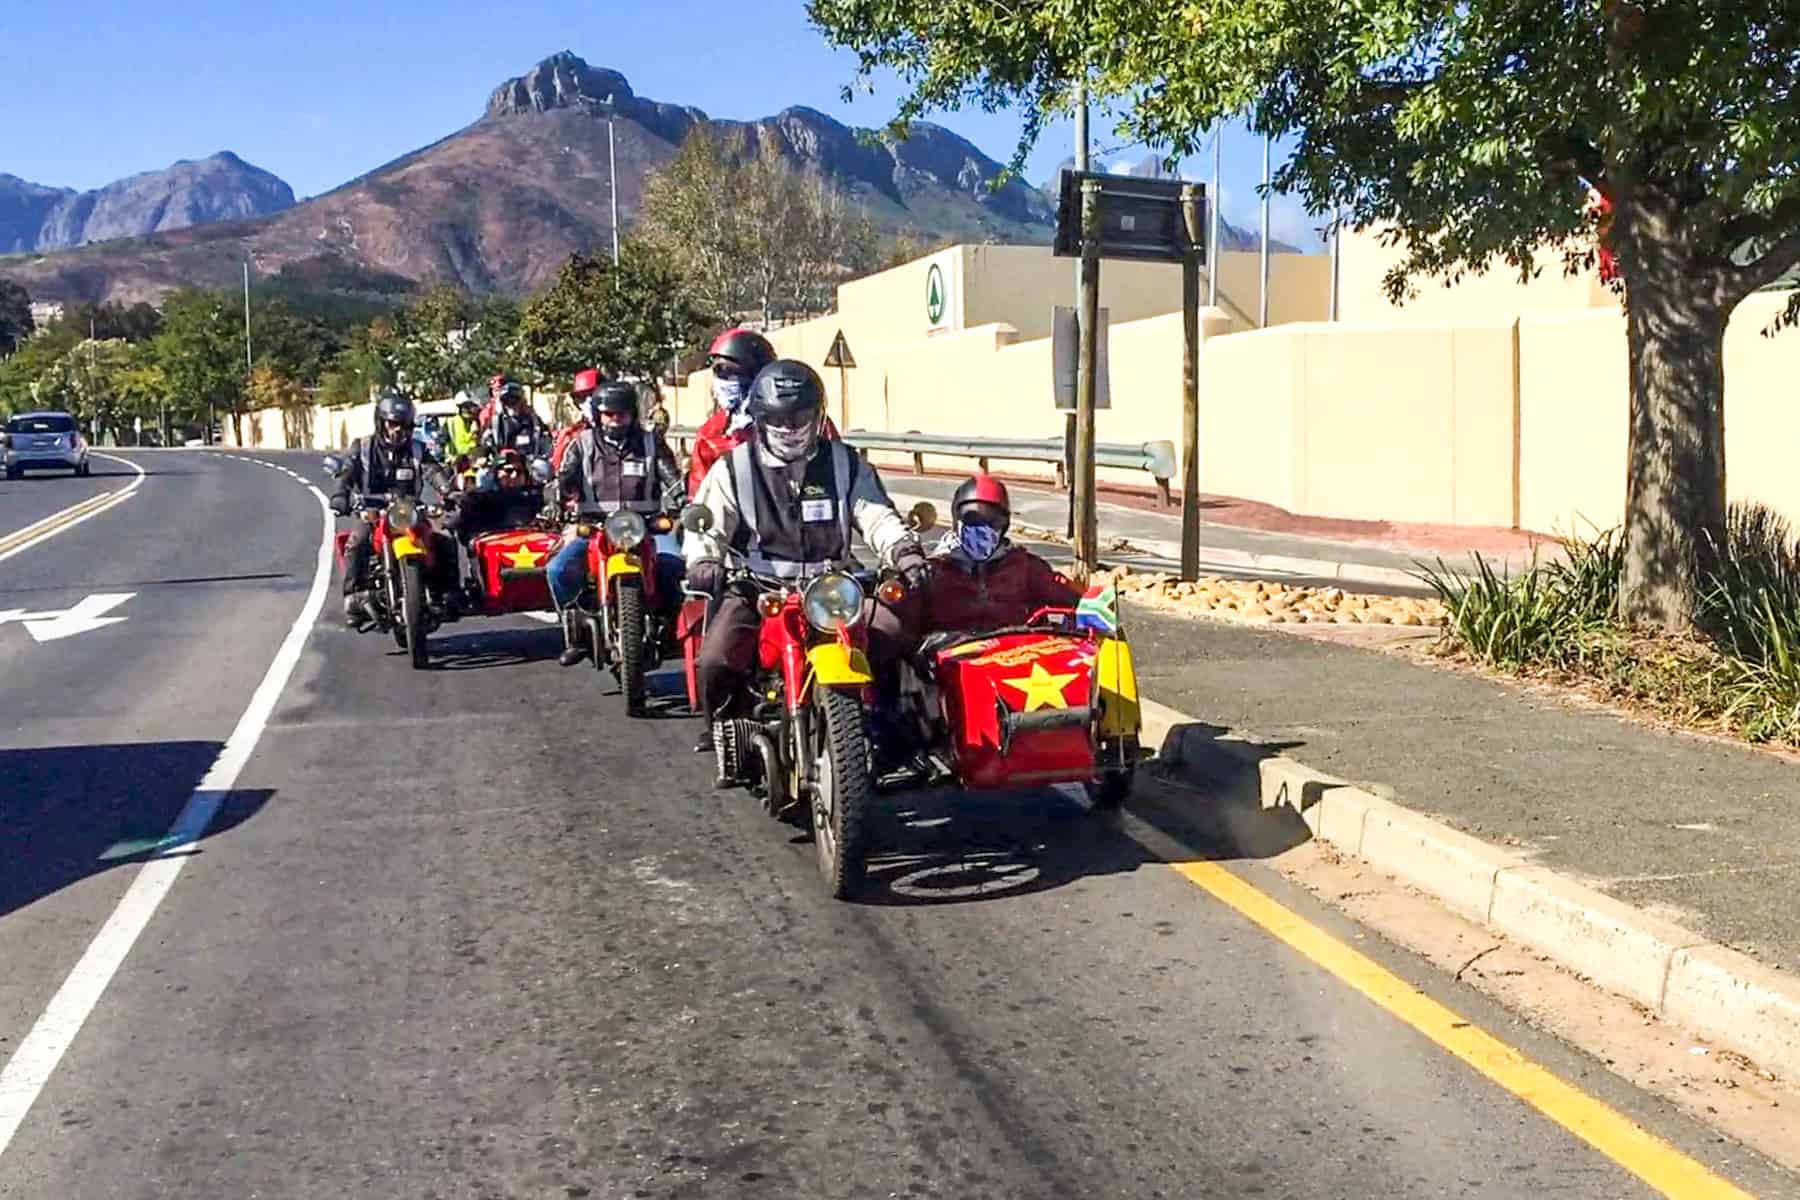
512,392
746,349
616,397
786,392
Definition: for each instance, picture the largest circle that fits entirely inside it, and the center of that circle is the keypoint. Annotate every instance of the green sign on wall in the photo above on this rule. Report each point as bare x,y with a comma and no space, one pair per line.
934,294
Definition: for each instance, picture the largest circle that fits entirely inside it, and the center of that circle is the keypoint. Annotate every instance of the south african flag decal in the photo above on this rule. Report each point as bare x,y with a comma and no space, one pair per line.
1099,609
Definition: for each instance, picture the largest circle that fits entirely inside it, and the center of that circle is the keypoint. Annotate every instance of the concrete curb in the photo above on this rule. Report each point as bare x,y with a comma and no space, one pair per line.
1712,991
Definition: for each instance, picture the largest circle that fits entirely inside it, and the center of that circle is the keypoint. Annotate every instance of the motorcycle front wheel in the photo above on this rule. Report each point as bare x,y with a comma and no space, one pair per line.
412,608
628,629
843,794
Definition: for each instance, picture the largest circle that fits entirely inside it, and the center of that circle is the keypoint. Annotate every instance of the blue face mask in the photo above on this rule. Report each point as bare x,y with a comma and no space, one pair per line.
979,542
730,393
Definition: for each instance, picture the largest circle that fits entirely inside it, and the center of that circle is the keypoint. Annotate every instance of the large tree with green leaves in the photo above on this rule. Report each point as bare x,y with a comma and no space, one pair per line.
1474,131
201,353
625,320
446,340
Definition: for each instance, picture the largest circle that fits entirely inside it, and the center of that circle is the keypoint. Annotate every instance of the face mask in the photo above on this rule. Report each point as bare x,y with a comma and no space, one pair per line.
979,542
614,434
788,445
729,392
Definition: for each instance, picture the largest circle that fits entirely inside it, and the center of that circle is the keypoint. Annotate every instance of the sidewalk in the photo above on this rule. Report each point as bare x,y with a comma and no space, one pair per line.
1240,537
1696,832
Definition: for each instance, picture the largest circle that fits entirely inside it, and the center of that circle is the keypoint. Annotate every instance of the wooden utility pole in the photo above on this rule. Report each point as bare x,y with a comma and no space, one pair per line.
1190,384
1087,550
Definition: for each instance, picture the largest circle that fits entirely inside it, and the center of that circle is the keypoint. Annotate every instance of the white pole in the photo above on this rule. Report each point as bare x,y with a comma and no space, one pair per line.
1213,249
1337,225
1265,235
612,168
248,366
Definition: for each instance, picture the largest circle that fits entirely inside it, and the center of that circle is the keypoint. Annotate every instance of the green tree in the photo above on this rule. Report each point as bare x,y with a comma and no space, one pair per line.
1474,132
201,352
625,321
16,323
135,323
359,367
446,340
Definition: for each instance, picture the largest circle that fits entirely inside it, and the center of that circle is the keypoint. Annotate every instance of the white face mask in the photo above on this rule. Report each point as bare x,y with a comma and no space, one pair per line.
729,392
788,445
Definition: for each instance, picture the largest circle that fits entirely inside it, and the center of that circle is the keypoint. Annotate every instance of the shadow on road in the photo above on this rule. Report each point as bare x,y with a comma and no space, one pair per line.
191,581
493,648
943,846
1211,795
70,812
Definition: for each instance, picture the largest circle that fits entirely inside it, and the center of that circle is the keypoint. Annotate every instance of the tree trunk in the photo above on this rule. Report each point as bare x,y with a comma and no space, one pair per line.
1675,482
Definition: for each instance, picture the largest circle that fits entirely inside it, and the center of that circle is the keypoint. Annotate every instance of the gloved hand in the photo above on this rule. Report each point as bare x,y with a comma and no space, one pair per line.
914,568
340,504
708,576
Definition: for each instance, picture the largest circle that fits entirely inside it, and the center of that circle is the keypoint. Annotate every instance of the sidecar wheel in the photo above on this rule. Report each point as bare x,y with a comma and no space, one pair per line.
843,795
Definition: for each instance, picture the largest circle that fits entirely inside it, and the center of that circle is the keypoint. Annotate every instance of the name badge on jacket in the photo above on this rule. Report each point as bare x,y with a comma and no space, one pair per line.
403,473
818,510
632,467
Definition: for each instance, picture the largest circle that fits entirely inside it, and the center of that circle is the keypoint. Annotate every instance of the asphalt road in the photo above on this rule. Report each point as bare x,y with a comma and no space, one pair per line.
472,933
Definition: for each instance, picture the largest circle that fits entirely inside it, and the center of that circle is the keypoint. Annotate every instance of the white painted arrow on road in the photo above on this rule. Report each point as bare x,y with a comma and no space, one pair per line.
83,618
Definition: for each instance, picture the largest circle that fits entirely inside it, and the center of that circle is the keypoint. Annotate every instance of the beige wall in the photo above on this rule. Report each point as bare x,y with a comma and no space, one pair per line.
1495,294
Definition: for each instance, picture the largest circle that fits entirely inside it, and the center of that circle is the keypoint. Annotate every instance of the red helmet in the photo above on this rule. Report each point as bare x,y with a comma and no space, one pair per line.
982,499
745,349
585,382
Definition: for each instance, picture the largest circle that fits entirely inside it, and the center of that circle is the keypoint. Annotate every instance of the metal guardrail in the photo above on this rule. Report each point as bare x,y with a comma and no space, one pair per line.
1157,459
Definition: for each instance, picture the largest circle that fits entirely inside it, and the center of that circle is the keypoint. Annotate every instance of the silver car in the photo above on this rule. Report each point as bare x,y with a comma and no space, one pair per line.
44,439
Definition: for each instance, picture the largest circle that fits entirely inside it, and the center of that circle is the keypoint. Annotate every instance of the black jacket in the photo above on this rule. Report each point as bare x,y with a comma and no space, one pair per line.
375,467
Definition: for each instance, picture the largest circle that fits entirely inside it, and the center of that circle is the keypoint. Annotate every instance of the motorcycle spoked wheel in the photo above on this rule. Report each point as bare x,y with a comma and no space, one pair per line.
843,793
628,645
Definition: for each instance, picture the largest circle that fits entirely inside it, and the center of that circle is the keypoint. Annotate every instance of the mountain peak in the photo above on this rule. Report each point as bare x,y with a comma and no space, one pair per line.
564,80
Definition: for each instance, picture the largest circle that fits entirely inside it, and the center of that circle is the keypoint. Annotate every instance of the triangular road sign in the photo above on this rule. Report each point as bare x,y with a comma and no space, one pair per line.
839,355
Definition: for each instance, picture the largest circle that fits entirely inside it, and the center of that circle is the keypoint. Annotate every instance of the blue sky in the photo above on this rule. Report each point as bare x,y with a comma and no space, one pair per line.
318,91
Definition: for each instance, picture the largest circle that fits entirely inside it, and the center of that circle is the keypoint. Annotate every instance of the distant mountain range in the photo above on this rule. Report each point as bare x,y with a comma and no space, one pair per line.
221,188
496,206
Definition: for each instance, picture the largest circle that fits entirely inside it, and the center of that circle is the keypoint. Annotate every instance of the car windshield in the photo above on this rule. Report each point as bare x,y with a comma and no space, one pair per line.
56,424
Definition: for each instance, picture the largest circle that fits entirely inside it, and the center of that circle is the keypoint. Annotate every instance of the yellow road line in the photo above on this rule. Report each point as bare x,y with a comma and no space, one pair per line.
1639,1151
56,519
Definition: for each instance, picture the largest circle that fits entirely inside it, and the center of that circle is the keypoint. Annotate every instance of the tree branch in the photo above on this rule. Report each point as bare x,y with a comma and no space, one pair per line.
1769,266
1384,93
1783,218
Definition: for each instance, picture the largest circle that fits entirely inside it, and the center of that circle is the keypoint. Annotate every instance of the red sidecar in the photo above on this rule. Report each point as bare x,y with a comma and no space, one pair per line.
511,571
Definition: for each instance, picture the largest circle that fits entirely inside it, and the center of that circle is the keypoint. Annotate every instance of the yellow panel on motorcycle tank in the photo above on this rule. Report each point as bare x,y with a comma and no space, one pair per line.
833,665
623,564
407,546
1120,715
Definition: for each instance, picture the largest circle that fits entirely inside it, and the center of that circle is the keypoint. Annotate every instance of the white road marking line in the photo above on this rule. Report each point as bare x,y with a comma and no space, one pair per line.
545,617
30,1067
119,497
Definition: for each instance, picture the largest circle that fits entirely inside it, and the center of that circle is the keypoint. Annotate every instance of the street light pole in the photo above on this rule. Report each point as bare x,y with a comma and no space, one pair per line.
1069,427
1264,322
1212,268
612,168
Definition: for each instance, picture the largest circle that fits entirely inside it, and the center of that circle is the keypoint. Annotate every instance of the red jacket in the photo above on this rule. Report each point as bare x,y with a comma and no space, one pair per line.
564,439
712,443
968,596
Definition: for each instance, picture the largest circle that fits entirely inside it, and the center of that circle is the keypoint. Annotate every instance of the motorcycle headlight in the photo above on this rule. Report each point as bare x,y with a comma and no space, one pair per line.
833,601
403,514
625,528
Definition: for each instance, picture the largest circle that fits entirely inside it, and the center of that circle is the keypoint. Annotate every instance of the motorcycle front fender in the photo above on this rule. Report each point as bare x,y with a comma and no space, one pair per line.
623,564
407,546
837,665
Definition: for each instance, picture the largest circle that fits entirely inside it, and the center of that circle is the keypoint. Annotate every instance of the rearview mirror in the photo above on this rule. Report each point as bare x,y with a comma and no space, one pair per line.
334,466
696,518
922,516
540,469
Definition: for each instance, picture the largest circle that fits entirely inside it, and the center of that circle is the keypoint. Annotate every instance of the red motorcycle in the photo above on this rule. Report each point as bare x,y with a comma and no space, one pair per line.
404,550
805,746
625,626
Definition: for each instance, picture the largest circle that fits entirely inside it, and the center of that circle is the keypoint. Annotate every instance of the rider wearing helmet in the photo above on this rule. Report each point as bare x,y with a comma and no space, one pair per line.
615,464
735,358
462,431
980,580
390,461
586,384
788,503
515,425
